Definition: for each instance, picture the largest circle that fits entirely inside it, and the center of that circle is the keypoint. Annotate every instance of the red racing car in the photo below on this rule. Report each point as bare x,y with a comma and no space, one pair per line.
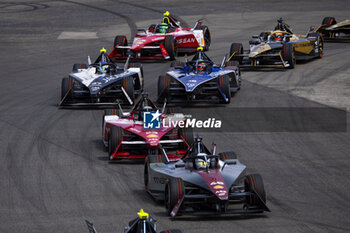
127,136
162,41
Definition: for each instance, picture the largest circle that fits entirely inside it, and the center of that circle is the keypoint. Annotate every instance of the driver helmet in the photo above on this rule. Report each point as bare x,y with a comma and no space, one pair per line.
103,68
278,36
163,28
200,163
201,65
103,61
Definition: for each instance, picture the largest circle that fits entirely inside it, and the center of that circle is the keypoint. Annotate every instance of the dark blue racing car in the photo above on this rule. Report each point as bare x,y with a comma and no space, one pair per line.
199,80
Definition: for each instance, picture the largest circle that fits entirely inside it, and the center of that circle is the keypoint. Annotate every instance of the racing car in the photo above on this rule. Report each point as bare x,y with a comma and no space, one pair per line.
204,182
278,48
199,80
128,135
162,41
144,223
102,83
331,30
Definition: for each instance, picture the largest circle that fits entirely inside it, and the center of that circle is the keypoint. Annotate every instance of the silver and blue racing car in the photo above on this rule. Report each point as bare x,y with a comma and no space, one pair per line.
199,80
102,83
204,183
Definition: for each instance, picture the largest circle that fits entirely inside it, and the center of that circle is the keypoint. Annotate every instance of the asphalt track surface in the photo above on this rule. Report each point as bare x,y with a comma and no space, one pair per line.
54,172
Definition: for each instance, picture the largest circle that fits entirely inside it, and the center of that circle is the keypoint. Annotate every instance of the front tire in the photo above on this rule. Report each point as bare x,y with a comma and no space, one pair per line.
207,37
64,87
173,191
224,84
187,135
170,46
163,87
114,139
120,40
288,55
236,49
128,85
108,112
254,183
318,44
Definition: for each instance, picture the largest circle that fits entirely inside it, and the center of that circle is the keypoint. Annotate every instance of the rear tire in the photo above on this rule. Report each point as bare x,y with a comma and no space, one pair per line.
224,84
187,135
236,48
114,139
79,66
207,37
173,190
318,44
163,87
120,40
329,21
170,46
64,87
288,55
255,182
128,85
227,155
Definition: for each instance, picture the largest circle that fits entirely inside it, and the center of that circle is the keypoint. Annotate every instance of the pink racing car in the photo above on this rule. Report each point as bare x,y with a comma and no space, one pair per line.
126,136
162,41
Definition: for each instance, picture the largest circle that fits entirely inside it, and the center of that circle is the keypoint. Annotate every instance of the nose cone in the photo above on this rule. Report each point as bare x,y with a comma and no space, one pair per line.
258,49
216,183
152,138
219,189
138,43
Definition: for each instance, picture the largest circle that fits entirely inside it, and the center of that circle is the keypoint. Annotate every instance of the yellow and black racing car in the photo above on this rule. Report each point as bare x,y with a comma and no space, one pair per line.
279,48
331,30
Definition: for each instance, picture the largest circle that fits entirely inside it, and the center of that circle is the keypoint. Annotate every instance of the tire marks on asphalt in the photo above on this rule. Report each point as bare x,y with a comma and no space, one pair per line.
129,21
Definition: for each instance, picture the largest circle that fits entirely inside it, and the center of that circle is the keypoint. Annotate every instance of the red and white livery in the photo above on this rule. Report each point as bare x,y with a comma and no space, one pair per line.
159,44
126,138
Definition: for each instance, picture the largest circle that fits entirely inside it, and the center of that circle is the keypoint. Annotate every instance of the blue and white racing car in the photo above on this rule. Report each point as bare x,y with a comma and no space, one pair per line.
199,80
102,83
